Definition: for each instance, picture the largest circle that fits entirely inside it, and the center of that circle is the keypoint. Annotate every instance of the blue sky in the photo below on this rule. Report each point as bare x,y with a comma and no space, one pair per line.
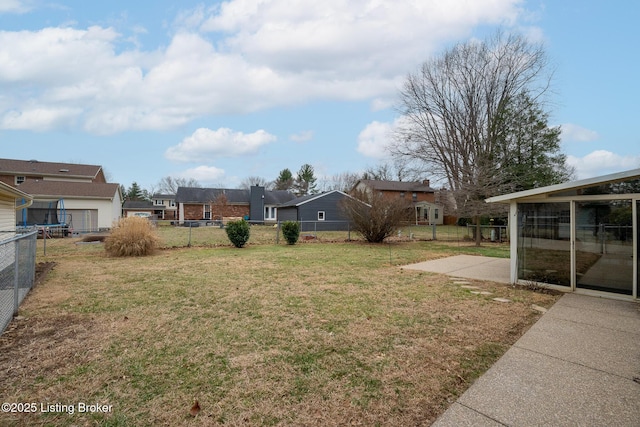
219,91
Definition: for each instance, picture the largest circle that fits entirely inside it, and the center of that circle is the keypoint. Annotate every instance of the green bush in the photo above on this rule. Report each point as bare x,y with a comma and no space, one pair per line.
238,232
132,236
291,231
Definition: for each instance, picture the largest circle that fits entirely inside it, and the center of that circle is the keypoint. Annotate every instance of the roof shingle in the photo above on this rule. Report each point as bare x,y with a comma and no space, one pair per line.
35,167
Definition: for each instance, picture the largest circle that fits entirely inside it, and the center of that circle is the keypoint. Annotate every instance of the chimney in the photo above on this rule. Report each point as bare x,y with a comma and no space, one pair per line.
425,182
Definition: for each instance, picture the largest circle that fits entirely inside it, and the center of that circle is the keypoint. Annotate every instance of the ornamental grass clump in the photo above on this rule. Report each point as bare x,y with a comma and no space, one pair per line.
132,236
238,232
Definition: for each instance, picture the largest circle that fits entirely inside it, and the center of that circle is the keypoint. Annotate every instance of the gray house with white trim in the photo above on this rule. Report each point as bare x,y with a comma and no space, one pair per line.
316,212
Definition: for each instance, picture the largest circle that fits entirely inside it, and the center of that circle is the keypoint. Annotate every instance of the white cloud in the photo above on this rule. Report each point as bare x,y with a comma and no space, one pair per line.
14,6
304,136
602,162
374,139
571,132
38,118
354,38
203,174
207,144
379,104
238,57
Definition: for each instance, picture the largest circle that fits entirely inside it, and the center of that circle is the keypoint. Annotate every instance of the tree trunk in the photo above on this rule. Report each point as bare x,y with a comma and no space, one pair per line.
478,231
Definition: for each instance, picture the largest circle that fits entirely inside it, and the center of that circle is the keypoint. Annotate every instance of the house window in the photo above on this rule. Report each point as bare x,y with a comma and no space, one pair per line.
172,203
20,180
270,212
158,202
414,196
207,211
320,215
435,213
402,195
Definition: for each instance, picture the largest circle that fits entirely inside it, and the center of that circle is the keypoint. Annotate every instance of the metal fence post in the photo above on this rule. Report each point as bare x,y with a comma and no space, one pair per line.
16,276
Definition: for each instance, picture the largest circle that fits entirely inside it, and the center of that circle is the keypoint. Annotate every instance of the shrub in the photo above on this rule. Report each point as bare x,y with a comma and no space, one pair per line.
291,231
238,232
132,236
375,217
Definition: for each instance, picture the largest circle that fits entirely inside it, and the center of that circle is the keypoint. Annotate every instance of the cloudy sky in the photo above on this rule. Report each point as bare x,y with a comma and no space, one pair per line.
219,91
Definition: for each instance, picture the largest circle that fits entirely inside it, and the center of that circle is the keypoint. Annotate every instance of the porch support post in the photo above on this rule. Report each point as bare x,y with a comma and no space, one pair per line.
513,238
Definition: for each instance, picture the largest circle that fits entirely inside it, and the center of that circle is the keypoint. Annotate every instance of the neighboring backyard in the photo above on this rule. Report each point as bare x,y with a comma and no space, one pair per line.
313,334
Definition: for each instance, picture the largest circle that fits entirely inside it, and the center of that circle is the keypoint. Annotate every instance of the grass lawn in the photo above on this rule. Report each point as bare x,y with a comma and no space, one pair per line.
311,334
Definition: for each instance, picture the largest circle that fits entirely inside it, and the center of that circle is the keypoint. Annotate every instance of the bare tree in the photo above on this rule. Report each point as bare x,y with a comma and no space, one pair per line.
454,109
250,181
400,168
343,182
169,184
375,217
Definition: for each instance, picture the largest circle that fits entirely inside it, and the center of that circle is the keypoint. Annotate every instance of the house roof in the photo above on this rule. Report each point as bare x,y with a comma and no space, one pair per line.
139,204
61,189
309,198
277,197
400,186
35,167
567,186
206,195
234,196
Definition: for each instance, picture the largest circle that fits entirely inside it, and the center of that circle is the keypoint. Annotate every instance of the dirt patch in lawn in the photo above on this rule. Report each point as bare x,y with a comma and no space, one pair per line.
34,347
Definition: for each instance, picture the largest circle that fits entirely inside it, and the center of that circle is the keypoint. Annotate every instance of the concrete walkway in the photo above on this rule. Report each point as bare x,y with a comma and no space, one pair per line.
468,266
579,365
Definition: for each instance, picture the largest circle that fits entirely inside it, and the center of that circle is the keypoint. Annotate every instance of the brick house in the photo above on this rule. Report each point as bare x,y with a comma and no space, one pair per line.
413,191
420,194
215,204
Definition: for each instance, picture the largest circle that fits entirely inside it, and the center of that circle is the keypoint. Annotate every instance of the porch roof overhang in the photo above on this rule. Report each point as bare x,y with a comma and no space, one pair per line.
566,186
16,195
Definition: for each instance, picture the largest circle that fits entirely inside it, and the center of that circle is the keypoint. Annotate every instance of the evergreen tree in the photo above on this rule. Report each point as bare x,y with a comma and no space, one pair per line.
135,192
284,181
305,182
529,153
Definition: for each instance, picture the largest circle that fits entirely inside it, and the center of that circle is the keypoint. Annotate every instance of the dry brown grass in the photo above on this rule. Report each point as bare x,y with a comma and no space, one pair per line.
318,334
131,236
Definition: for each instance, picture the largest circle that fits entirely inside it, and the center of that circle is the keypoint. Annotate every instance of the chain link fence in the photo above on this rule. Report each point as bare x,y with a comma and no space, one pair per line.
205,234
17,271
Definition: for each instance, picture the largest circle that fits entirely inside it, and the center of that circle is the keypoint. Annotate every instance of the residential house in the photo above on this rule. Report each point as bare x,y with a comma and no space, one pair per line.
218,204
82,206
138,208
420,194
316,212
79,194
165,207
17,172
579,236
162,207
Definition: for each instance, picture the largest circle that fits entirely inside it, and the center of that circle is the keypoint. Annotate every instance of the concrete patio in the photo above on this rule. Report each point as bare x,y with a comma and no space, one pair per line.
579,365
